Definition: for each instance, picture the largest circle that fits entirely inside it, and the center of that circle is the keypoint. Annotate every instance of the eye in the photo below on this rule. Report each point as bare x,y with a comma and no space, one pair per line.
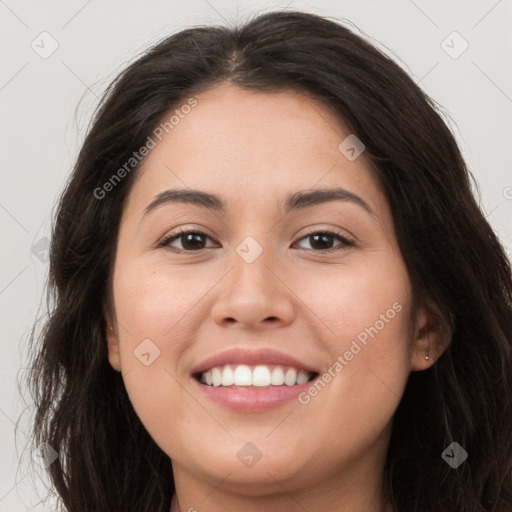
194,241
322,241
191,241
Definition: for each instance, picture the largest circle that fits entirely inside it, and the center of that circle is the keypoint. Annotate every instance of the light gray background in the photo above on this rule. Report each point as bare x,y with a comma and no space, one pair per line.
40,136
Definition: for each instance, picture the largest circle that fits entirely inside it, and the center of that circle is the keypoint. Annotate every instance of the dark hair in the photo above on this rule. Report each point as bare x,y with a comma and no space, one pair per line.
107,460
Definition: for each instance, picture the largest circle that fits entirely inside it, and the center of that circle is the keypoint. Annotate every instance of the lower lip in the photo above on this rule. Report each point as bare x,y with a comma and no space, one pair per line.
253,398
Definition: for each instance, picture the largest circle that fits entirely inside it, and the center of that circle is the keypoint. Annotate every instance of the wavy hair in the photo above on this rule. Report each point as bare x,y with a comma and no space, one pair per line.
107,460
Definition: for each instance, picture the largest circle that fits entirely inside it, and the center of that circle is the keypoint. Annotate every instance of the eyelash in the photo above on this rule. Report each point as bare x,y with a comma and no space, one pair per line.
174,236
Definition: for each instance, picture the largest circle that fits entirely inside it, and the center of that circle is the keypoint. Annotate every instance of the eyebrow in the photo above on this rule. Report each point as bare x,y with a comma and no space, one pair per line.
296,201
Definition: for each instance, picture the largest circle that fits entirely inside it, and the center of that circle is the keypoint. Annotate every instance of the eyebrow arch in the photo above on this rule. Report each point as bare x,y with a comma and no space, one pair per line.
296,201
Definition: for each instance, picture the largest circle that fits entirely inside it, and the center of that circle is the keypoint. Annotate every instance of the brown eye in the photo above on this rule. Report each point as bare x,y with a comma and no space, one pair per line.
191,241
323,241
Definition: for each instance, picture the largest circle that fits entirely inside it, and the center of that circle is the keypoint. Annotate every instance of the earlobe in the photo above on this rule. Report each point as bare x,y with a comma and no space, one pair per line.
423,356
113,345
432,336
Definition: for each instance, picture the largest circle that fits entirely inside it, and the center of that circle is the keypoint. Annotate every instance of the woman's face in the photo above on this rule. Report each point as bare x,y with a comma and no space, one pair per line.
263,279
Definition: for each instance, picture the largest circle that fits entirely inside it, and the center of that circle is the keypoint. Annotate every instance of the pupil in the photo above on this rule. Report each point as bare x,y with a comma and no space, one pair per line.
324,238
191,240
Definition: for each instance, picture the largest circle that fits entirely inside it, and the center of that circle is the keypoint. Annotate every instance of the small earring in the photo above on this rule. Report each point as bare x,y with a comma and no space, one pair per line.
427,352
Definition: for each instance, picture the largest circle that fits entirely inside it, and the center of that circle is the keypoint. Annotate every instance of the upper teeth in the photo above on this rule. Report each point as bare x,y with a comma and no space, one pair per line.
261,375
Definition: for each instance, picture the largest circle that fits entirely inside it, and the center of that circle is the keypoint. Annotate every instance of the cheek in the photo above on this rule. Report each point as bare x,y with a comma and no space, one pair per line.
369,311
154,302
370,303
153,307
368,314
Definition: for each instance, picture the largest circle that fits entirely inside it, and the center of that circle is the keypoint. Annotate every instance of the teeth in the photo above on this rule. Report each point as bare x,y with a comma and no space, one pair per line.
302,377
290,377
216,377
261,376
228,378
277,378
257,376
243,375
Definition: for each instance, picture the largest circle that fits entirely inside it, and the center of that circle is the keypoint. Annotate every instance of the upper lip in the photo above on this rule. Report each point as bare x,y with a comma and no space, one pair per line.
251,357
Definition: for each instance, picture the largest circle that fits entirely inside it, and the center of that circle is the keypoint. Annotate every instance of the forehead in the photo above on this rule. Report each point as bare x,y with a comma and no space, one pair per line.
245,144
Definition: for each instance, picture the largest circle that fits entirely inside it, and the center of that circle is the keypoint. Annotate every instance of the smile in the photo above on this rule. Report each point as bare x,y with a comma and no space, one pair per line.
260,376
250,381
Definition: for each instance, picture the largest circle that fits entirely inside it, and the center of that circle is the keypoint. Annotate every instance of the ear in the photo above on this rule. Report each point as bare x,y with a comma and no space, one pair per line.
112,338
432,334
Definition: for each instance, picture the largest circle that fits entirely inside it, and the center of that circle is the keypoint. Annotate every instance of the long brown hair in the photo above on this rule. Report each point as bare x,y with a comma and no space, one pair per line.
107,460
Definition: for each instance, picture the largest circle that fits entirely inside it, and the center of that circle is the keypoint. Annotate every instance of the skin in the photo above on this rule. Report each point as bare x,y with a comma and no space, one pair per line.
254,148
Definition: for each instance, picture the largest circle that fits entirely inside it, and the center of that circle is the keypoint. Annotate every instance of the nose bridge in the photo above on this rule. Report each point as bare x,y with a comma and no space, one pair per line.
251,292
252,260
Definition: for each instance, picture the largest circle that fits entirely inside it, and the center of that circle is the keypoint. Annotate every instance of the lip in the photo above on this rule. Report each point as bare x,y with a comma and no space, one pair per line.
252,357
252,399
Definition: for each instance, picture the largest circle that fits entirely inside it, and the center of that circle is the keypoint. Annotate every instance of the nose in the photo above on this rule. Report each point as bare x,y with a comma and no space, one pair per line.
254,296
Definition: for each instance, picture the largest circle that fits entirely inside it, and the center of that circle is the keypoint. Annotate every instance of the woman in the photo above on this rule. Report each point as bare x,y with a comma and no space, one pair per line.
274,290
